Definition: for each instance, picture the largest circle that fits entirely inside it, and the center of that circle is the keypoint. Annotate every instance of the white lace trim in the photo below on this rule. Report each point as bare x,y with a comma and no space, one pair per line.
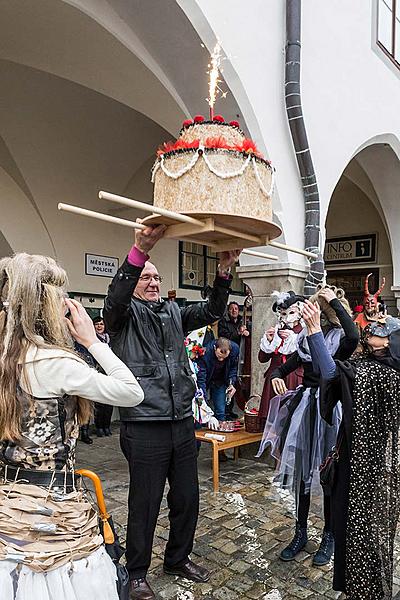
201,152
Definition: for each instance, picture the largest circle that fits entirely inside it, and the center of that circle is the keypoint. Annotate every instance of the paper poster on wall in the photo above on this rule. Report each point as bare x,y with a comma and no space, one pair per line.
101,266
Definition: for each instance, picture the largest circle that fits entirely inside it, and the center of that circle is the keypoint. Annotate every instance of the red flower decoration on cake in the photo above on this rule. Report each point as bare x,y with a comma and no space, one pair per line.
217,142
219,119
234,123
198,119
249,147
187,123
178,145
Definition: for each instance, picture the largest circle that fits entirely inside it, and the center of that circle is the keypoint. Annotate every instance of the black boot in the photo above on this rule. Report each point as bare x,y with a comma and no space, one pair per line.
85,435
325,550
298,542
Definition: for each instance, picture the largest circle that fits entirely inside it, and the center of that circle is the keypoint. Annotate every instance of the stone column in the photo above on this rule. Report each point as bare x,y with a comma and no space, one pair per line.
396,290
263,279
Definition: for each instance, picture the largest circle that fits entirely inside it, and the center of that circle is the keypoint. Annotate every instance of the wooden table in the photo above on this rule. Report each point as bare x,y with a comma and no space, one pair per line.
232,440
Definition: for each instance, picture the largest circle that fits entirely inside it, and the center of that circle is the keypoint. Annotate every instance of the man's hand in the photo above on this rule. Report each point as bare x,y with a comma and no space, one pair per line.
270,333
230,390
213,424
228,258
146,239
311,316
244,331
279,386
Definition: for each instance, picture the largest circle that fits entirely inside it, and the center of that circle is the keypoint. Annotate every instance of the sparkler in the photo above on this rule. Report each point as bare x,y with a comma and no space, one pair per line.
213,85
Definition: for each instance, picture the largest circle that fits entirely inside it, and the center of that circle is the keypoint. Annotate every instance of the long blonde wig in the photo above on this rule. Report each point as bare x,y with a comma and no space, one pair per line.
32,288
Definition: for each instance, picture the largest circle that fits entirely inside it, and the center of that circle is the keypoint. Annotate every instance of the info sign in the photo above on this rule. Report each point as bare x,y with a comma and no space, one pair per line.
355,249
101,266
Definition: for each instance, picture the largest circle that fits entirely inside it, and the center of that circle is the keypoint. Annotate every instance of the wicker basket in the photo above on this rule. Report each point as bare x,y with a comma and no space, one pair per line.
253,423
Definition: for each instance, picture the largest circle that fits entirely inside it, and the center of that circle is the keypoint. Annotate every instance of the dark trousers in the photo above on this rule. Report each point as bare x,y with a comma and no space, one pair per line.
304,508
158,451
102,415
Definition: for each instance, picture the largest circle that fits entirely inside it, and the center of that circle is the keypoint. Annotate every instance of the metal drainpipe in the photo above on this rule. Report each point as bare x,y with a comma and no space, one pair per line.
300,143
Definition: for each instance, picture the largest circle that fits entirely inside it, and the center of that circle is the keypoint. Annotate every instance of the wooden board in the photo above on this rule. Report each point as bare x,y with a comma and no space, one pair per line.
218,230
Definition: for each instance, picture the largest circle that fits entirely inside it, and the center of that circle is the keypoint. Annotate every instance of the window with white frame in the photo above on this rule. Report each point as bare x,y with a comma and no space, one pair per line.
198,266
388,30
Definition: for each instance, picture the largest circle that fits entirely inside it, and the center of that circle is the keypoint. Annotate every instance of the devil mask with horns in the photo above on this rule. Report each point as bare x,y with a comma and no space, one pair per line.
370,305
370,302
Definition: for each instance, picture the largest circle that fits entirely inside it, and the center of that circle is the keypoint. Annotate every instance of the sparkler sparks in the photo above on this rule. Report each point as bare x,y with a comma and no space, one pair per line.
214,81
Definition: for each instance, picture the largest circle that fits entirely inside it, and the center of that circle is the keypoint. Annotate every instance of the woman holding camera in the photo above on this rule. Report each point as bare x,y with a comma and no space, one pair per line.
50,547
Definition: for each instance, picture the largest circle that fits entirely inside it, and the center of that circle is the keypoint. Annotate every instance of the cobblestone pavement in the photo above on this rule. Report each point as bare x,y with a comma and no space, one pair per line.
240,532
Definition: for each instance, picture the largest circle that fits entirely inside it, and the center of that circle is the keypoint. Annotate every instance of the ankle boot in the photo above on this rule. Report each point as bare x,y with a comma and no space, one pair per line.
298,542
325,550
85,438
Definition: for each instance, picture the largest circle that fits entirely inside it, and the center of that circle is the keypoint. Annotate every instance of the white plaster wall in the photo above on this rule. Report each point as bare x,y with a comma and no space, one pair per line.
349,92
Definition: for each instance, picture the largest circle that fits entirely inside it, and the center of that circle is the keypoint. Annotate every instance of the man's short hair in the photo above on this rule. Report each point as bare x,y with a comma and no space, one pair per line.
233,302
97,319
223,344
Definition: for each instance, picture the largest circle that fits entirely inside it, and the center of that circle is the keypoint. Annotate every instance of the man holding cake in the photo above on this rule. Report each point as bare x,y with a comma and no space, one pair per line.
157,437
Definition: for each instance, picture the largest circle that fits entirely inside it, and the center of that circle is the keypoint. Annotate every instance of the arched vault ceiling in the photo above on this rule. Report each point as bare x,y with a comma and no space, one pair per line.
64,142
143,54
57,38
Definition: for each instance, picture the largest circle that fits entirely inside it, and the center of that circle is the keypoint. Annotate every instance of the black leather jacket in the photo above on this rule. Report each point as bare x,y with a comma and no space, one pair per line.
148,338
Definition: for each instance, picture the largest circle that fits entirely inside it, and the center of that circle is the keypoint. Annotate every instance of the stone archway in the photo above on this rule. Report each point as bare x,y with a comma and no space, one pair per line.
365,203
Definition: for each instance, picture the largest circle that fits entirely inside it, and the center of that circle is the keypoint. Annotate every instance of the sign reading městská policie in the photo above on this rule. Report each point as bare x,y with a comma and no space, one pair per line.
101,266
354,249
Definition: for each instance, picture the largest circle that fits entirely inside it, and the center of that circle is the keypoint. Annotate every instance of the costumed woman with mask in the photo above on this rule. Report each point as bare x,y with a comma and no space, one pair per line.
50,547
366,482
299,438
279,343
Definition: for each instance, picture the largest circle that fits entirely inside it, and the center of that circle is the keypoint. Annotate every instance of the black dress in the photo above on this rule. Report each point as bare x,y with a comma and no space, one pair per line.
366,494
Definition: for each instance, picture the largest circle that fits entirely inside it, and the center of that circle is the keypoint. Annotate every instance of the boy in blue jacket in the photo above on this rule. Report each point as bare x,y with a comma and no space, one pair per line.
218,373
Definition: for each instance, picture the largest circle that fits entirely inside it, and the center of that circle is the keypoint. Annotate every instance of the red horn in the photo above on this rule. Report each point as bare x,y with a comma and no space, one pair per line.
381,288
366,286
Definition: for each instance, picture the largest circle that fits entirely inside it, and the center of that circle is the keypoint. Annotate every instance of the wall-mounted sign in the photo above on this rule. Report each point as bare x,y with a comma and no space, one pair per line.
101,266
355,249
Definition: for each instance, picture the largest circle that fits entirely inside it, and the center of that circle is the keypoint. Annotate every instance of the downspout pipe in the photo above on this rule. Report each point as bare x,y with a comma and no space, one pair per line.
300,142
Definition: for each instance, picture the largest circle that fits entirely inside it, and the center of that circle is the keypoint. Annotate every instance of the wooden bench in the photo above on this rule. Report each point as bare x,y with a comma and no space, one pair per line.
232,440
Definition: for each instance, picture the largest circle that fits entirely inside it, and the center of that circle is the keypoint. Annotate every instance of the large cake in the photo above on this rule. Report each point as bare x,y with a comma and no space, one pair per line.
213,170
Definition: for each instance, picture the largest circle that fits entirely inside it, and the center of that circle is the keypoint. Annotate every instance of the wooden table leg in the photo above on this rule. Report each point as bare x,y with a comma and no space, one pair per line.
236,452
215,466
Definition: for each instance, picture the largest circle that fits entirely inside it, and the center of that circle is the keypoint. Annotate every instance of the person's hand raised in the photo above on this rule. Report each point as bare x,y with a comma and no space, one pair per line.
284,333
146,239
270,333
80,324
327,294
311,315
228,258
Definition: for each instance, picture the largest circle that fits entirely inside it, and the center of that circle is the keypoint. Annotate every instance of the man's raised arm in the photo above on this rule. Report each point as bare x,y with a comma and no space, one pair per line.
120,291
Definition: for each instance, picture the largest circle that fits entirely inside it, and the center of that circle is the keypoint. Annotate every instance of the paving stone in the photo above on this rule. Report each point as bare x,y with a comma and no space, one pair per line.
240,532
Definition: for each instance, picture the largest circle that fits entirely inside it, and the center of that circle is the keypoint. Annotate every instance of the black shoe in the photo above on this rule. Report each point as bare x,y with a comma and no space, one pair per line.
231,416
100,432
139,589
107,431
190,571
325,550
85,438
297,544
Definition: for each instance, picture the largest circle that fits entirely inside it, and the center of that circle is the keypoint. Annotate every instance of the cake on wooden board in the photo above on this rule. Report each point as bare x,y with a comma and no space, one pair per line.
214,173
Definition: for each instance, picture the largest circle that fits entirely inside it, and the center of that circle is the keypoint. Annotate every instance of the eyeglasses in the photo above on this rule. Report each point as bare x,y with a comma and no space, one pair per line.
148,278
